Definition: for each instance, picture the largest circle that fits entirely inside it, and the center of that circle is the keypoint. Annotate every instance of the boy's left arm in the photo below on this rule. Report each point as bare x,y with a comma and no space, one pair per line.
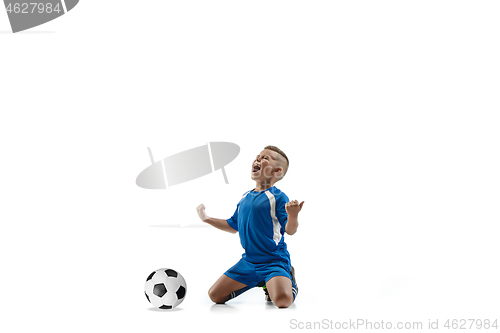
292,209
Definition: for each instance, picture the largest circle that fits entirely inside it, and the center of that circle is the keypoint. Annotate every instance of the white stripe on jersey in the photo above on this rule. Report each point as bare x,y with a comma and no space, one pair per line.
276,223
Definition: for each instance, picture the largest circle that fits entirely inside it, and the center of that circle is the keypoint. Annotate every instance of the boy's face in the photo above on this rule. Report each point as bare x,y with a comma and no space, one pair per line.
265,166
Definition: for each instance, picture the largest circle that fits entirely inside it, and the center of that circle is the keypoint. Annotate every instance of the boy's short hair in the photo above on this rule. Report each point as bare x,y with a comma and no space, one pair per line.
279,151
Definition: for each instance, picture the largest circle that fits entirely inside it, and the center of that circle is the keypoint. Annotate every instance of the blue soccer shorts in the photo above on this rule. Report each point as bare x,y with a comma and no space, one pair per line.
252,274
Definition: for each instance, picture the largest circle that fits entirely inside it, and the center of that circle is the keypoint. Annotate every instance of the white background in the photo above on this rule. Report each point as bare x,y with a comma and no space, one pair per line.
388,111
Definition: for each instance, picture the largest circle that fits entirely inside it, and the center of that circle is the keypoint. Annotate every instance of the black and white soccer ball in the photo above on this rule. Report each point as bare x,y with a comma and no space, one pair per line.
165,288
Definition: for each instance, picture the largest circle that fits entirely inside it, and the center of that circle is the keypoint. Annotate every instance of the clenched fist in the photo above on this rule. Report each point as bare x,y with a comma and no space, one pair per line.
293,207
201,212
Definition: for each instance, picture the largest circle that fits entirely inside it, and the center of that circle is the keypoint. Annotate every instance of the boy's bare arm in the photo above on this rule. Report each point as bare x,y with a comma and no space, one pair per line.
218,223
292,209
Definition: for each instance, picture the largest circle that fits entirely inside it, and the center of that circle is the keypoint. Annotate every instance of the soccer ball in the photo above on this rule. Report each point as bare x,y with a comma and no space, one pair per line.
165,288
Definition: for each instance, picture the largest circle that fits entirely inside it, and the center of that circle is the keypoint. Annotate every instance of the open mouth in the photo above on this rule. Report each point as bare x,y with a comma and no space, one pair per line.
256,168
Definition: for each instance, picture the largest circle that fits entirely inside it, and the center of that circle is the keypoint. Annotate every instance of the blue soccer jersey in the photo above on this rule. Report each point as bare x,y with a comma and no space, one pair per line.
260,219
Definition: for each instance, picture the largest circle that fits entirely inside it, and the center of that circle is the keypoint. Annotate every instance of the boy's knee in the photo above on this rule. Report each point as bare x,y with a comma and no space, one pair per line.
215,297
283,300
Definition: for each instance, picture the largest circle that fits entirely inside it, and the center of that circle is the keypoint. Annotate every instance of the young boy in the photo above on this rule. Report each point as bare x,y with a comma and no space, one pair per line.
262,217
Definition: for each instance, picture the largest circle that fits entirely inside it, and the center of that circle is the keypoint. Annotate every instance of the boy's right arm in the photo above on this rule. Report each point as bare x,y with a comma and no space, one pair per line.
218,223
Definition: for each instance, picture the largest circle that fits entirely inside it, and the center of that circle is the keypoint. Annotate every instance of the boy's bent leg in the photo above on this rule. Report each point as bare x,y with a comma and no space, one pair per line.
280,291
223,288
